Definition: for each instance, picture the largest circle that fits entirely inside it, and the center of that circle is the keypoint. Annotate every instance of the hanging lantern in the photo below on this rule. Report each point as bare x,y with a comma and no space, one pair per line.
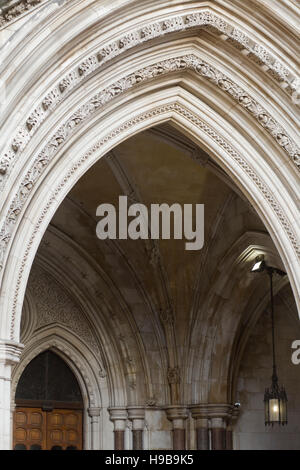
275,404
275,398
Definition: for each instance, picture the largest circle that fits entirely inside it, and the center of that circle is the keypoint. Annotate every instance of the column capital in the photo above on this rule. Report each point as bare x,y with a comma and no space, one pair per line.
199,411
94,412
136,412
176,412
211,410
117,412
10,351
118,415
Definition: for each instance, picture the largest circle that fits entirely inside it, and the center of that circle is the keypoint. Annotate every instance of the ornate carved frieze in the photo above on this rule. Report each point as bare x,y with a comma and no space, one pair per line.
100,99
240,37
204,18
14,9
196,121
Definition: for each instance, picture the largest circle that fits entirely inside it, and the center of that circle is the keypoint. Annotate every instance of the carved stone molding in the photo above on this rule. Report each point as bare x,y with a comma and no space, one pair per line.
68,352
211,410
167,316
173,375
193,119
10,352
94,412
151,401
187,62
16,8
204,18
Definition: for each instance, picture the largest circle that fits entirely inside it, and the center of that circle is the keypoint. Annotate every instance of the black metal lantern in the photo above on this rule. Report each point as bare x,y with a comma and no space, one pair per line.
275,398
275,404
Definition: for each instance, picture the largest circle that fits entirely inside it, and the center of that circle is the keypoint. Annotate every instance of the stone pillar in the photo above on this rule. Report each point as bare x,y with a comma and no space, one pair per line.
177,415
202,434
10,352
217,415
94,414
136,414
218,433
229,443
230,426
118,415
200,415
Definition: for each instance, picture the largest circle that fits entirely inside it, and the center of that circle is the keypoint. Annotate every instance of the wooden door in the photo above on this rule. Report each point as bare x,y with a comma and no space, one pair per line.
29,429
64,430
59,429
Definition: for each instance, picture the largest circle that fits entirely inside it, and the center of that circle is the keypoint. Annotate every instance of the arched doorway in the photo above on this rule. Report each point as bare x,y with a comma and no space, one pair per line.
49,405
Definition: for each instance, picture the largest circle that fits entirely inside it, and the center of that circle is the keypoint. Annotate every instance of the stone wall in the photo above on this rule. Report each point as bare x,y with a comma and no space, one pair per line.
255,375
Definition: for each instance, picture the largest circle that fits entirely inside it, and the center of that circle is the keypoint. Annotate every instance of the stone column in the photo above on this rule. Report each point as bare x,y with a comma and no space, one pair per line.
229,443
136,414
230,426
177,415
94,414
202,434
10,352
218,434
118,415
217,414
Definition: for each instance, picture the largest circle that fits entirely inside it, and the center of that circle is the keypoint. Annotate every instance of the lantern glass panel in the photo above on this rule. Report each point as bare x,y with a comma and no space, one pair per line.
274,409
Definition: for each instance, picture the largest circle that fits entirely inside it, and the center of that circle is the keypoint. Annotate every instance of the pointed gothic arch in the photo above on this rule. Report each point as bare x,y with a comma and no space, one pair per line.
165,72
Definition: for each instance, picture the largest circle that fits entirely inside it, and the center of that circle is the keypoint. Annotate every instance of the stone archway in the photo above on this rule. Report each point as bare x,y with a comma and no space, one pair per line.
187,117
225,114
62,344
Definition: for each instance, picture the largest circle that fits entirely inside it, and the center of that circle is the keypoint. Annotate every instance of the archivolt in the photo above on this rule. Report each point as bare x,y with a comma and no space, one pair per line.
78,362
94,61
